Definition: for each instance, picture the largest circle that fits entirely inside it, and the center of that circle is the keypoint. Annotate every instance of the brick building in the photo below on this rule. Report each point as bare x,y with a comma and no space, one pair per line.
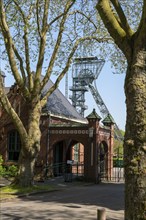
66,136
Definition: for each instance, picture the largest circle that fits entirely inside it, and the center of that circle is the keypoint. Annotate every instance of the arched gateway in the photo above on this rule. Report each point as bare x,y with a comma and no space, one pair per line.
66,136
79,142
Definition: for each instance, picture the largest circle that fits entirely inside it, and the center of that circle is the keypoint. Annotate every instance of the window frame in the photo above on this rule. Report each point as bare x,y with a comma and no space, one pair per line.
14,145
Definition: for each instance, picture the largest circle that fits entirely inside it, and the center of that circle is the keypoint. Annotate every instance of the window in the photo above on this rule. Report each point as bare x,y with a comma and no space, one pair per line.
14,145
76,152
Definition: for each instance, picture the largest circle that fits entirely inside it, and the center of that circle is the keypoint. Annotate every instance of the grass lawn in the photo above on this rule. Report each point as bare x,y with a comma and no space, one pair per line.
12,191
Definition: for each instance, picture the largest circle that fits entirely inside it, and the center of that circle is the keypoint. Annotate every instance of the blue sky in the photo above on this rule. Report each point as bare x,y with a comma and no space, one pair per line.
111,88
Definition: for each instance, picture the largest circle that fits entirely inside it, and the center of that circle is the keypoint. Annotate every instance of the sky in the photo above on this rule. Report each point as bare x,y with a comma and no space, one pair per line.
111,88
109,85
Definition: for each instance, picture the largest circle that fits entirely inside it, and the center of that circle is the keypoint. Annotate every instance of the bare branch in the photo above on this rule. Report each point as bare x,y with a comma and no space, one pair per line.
10,51
88,17
122,17
141,31
25,37
64,71
37,15
21,63
69,4
113,27
42,45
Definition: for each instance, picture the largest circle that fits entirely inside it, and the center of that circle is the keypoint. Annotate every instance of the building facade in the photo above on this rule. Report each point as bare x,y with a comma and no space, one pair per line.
67,137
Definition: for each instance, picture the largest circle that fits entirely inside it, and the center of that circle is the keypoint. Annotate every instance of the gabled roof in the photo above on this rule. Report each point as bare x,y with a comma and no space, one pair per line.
59,105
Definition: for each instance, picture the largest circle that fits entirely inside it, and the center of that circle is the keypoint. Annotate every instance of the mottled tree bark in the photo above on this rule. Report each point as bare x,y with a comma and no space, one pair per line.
135,139
31,83
30,147
132,44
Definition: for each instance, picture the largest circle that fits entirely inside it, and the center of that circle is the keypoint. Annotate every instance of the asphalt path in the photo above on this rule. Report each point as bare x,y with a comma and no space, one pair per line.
72,201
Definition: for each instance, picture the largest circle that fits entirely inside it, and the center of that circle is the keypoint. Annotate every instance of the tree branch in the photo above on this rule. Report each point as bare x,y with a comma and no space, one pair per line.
10,51
25,37
64,71
21,63
114,28
9,109
69,4
122,17
141,31
37,17
42,45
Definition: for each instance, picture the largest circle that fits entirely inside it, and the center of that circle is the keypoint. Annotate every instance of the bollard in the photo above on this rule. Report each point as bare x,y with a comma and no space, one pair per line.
101,214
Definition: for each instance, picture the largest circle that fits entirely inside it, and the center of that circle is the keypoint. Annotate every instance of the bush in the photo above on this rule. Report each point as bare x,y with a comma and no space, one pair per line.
9,170
12,171
118,162
2,169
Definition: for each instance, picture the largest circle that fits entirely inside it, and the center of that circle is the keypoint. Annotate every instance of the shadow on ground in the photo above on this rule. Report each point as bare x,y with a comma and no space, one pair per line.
74,201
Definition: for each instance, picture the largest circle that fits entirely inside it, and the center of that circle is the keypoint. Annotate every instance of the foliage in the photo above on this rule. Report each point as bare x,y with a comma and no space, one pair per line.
36,42
7,171
38,39
118,145
11,171
129,35
118,161
2,169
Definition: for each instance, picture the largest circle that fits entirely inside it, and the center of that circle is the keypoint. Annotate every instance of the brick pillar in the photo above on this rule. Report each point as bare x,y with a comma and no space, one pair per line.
90,161
108,121
110,150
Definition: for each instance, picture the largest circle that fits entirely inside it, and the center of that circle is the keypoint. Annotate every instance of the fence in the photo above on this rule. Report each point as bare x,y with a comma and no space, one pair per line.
111,168
68,171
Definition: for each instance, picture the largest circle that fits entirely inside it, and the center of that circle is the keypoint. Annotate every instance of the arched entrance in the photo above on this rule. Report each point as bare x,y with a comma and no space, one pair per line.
68,156
58,159
103,160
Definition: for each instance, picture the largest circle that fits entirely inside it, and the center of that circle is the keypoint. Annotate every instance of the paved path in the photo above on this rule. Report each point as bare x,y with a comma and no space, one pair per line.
74,202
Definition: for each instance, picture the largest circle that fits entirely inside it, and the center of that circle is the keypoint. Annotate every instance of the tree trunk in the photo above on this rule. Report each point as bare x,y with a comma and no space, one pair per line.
135,139
30,148
26,171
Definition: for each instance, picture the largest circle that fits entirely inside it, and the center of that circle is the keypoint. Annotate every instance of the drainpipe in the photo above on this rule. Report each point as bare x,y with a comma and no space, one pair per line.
47,145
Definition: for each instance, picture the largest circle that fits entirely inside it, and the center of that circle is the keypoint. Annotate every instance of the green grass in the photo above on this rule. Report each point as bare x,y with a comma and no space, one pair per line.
14,190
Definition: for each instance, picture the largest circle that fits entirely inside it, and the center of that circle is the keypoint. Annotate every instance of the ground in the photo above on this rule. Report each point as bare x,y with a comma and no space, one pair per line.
72,201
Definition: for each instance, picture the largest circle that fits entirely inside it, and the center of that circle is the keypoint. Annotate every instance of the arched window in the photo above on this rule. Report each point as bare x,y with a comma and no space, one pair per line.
14,145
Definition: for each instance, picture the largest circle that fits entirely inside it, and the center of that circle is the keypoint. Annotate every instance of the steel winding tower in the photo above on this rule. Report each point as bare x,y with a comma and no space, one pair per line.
85,71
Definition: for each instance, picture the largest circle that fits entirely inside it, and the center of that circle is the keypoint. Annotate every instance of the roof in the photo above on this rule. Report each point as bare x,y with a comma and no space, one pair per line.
108,120
59,105
93,115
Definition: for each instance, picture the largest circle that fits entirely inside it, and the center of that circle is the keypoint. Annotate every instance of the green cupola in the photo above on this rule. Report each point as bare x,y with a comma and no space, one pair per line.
93,115
108,120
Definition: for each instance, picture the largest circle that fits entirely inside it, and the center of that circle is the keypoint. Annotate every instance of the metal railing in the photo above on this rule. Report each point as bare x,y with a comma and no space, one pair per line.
68,171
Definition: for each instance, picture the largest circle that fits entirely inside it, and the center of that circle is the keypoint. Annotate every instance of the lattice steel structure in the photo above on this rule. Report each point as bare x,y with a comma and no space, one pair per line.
85,71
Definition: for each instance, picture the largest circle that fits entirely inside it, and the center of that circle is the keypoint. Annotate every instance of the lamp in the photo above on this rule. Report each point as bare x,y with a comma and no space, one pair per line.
91,129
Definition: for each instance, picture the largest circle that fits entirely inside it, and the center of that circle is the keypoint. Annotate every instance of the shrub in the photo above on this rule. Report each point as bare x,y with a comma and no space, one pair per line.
12,171
9,170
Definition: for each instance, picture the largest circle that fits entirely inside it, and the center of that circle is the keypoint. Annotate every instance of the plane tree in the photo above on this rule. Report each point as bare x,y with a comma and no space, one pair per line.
125,22
35,41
